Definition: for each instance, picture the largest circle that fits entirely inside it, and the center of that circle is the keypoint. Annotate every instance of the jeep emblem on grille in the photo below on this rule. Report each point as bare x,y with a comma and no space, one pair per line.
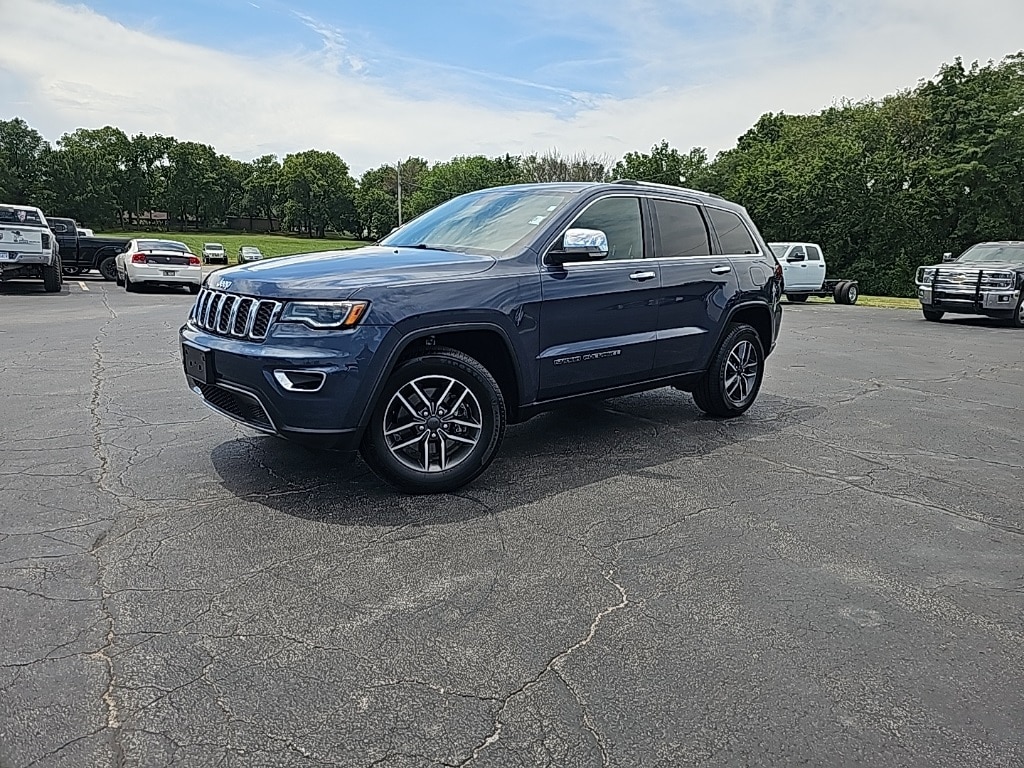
223,284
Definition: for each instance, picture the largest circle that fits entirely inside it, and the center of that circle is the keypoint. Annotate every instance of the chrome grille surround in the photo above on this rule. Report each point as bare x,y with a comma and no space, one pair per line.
234,316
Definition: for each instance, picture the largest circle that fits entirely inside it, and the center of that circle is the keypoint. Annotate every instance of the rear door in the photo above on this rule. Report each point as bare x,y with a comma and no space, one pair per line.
695,286
598,319
815,267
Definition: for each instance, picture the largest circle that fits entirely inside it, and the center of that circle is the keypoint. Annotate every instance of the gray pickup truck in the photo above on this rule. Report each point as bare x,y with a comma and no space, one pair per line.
28,249
986,279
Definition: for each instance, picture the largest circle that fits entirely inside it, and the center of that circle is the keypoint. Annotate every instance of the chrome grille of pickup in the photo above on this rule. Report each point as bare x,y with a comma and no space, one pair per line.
968,280
240,317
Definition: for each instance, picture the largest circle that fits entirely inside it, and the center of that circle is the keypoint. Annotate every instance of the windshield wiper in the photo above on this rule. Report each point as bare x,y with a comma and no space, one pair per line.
429,247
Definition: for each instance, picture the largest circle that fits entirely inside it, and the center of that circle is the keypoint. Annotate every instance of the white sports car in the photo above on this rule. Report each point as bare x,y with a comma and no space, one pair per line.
158,262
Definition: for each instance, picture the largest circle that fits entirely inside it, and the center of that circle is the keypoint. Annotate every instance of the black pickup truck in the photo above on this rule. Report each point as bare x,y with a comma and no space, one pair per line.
79,254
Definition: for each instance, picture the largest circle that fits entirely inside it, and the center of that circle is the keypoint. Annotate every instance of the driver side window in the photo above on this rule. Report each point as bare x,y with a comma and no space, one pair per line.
619,218
797,254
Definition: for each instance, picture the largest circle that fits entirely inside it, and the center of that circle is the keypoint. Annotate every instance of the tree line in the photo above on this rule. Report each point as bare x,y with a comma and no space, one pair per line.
883,185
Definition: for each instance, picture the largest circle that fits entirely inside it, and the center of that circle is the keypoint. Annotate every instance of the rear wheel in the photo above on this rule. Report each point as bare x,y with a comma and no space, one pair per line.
933,315
193,288
437,425
108,268
129,286
53,277
846,292
733,379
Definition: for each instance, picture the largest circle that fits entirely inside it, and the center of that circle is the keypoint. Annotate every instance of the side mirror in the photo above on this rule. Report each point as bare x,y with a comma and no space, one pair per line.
948,257
581,245
794,257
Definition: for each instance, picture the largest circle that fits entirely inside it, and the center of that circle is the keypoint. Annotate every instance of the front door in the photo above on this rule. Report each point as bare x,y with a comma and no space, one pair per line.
598,319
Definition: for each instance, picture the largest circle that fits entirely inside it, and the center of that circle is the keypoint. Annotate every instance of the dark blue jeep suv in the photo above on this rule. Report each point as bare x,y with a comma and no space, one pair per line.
484,311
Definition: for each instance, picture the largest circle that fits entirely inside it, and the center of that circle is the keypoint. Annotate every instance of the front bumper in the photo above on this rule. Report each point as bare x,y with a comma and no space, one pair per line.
239,380
968,301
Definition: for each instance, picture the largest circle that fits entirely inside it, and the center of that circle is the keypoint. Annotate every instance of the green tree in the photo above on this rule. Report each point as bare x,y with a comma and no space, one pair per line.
261,187
378,192
21,168
664,165
443,181
318,193
554,166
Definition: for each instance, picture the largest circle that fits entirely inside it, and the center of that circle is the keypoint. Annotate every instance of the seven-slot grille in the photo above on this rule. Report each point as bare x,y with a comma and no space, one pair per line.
227,314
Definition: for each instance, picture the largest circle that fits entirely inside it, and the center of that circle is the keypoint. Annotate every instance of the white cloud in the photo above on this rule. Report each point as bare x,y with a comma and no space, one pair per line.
67,66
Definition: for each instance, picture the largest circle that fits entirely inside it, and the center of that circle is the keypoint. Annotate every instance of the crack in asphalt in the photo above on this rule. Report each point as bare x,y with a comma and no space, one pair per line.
554,666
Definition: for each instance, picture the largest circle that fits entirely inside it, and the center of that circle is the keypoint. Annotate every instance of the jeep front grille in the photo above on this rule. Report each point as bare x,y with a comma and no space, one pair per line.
240,317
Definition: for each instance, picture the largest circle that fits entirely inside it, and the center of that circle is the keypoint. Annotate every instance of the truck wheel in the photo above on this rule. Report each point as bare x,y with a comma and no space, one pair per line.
437,424
53,277
932,315
848,292
108,268
733,379
1017,321
796,298
837,292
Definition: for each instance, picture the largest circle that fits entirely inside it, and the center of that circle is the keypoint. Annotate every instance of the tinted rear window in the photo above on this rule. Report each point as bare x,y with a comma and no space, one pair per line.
162,245
732,232
18,216
682,229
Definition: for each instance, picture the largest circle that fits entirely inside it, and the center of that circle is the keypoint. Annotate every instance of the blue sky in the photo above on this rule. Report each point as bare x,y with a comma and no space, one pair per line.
377,81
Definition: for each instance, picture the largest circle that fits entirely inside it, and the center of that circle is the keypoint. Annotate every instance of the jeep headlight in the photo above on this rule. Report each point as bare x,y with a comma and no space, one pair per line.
324,315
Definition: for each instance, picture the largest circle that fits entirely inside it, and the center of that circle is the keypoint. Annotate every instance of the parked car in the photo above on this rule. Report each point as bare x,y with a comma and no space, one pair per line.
986,279
80,253
214,252
803,274
488,309
28,249
159,262
249,253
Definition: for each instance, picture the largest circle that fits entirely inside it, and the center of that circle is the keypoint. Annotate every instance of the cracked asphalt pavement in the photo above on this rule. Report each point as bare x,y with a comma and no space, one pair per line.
836,578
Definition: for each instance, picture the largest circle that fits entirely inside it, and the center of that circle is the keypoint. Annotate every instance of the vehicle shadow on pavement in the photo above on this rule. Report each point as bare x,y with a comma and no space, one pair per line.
548,455
28,288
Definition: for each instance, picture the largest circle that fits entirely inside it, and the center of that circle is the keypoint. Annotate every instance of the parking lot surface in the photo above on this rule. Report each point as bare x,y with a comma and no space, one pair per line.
834,579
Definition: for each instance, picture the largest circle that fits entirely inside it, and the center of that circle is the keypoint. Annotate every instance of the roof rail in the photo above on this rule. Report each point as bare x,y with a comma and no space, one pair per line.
654,185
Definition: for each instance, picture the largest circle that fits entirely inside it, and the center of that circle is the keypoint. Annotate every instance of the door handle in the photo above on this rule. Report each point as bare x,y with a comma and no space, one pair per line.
722,270
641,276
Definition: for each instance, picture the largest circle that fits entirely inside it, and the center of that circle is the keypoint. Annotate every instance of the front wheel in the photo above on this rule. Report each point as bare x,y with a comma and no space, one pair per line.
108,268
933,315
1017,321
437,424
733,379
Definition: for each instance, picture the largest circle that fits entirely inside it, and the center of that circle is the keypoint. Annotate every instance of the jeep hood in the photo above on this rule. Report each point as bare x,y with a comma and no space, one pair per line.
339,274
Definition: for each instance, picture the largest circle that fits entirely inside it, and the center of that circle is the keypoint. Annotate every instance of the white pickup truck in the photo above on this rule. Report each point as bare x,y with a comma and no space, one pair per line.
803,274
28,249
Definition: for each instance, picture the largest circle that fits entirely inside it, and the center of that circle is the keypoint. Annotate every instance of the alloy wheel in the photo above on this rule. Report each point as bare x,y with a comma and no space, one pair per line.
741,373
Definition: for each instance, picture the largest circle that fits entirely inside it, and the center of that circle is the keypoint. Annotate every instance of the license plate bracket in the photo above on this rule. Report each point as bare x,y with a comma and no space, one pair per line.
198,363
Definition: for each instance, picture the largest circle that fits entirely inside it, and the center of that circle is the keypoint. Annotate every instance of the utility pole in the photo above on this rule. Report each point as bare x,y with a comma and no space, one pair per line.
399,166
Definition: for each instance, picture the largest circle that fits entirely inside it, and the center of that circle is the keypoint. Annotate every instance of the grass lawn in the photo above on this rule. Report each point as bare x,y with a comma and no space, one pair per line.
269,245
886,302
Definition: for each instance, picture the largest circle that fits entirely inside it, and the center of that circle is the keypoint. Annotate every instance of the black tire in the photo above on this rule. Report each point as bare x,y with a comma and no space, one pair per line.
53,277
129,286
933,315
714,394
429,371
72,271
117,280
849,292
837,292
796,298
108,268
193,289
1017,321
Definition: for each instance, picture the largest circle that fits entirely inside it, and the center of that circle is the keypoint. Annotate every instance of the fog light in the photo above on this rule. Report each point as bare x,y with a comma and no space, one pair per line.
301,381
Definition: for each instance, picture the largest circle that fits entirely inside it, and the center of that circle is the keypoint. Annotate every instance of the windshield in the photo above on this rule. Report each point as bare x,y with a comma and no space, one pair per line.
214,247
20,216
162,245
994,253
491,220
779,249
